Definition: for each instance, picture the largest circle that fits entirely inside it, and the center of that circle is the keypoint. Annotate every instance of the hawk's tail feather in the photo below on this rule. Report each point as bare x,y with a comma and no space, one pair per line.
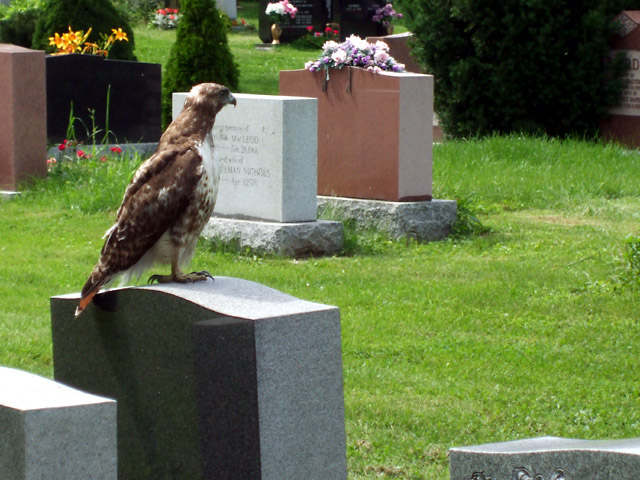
95,282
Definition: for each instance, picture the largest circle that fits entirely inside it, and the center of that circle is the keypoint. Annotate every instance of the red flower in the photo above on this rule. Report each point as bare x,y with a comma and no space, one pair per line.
244,22
328,29
80,154
162,12
116,149
62,146
335,32
103,158
309,28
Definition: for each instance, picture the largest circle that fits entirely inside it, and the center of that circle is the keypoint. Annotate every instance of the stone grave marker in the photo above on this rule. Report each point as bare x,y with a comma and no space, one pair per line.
356,18
623,125
376,146
229,7
310,14
214,380
267,199
23,118
54,432
547,458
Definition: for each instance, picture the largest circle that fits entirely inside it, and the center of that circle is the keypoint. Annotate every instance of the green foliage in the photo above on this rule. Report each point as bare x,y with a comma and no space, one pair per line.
511,65
18,27
632,244
101,16
200,53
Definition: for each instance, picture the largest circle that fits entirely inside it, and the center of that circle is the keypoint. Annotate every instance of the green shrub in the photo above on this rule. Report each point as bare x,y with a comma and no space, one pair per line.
200,54
101,16
19,26
633,258
517,65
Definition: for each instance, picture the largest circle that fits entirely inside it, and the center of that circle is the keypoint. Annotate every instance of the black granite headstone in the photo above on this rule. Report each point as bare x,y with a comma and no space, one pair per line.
131,90
356,18
310,13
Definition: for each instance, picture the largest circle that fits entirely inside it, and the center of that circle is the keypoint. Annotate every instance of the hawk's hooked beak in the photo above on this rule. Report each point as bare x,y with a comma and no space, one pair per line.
231,100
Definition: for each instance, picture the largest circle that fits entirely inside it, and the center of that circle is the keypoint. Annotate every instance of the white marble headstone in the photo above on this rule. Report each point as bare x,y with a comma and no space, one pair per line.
268,147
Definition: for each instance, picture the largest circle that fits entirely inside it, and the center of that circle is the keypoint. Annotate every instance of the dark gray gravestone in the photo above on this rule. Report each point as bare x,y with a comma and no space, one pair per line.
310,13
547,458
224,380
356,18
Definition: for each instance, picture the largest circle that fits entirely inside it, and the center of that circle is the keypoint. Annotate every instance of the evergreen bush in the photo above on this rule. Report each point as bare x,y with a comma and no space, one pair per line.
101,16
19,26
534,66
200,53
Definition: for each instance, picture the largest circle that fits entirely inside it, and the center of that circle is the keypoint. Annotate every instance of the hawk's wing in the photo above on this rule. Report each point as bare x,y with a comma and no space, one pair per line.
159,193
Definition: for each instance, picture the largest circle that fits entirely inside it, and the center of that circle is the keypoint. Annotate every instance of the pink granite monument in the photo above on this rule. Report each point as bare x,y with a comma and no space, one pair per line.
375,132
623,125
23,116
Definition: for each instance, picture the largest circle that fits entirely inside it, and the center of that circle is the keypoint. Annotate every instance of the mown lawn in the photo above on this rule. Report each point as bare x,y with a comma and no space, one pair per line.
528,329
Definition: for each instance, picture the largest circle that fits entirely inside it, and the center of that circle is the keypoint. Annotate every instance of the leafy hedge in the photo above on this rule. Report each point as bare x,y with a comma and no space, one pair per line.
101,16
200,53
517,65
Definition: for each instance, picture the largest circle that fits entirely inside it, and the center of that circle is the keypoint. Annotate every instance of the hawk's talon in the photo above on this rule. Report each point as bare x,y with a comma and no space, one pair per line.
205,274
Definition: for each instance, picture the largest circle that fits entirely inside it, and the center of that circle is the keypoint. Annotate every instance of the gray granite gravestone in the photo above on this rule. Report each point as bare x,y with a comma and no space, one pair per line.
54,432
547,458
214,380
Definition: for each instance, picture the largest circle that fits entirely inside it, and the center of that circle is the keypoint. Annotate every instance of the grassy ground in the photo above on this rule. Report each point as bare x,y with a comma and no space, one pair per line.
528,329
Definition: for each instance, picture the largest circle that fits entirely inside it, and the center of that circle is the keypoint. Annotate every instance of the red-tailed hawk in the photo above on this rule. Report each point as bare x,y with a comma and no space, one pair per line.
169,199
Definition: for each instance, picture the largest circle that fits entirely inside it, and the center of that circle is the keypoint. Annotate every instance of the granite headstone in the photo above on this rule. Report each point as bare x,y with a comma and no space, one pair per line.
313,14
547,458
23,116
623,123
54,432
356,18
214,380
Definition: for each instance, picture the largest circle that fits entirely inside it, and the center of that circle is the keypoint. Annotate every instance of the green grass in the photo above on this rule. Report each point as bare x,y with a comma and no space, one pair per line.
527,330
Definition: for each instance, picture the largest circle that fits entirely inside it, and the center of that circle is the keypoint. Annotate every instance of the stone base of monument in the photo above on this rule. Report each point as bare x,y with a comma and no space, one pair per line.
224,379
298,239
49,430
424,221
7,194
547,458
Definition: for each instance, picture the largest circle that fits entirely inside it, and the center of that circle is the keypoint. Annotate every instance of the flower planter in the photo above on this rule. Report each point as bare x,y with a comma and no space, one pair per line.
375,133
132,89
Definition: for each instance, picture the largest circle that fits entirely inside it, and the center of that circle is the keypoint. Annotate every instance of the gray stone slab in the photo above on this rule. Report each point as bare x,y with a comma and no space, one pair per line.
214,380
317,238
425,221
547,458
54,432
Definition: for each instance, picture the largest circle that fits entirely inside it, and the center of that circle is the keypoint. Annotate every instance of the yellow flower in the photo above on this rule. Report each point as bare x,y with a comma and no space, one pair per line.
55,40
120,35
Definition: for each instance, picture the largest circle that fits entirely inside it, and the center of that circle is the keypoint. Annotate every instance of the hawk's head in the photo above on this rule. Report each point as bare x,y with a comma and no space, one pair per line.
209,97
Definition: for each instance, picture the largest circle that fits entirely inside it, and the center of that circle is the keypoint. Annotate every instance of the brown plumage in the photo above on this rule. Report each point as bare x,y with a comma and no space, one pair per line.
169,199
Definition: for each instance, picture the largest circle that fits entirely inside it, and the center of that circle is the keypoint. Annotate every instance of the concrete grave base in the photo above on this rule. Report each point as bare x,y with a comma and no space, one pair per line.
54,432
320,237
425,221
6,194
547,458
216,380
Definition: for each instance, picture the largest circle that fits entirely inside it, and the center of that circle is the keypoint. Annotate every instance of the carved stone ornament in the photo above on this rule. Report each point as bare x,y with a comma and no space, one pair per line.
521,473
